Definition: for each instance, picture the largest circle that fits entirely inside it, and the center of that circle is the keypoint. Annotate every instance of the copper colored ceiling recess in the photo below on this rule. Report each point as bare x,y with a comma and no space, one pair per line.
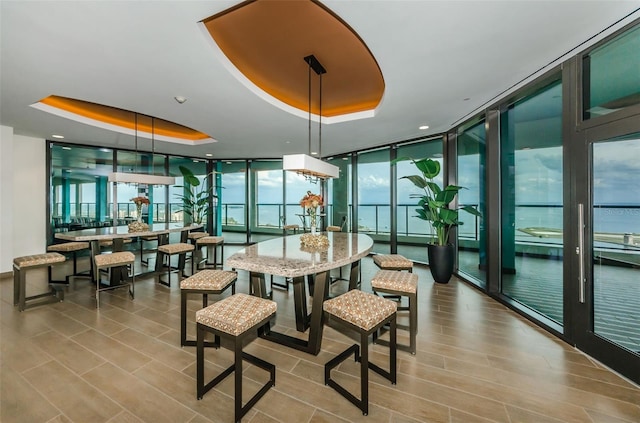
266,41
120,120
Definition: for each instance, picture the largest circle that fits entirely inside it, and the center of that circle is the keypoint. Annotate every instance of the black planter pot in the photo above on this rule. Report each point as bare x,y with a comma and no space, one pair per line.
441,262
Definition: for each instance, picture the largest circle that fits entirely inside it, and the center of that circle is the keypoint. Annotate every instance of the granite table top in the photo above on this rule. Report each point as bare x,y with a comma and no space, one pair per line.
110,232
286,257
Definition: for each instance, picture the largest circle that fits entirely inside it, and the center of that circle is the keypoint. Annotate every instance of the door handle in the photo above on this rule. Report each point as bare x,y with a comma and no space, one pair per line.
580,252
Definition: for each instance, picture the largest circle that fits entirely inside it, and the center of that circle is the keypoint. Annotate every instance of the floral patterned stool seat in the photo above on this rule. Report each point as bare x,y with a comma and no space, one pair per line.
20,267
109,262
401,284
194,236
207,242
393,262
66,248
234,318
365,313
168,250
205,282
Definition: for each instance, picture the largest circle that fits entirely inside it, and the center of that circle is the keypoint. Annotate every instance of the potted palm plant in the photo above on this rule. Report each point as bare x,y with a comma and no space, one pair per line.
434,207
197,198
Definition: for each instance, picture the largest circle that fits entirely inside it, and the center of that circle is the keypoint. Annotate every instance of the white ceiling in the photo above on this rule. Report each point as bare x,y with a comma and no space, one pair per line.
139,55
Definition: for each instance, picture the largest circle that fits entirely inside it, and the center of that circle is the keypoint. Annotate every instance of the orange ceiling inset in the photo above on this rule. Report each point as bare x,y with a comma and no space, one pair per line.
124,119
266,40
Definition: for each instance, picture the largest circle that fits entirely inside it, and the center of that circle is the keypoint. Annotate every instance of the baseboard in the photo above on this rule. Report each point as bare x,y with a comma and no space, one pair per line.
6,274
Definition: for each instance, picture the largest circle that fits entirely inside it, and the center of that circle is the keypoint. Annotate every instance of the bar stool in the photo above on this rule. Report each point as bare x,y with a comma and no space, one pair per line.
205,282
365,313
287,228
20,267
401,284
194,236
235,318
66,248
168,250
393,262
110,261
207,242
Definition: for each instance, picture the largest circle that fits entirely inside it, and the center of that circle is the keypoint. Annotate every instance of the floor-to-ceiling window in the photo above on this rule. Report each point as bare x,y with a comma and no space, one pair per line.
412,232
471,162
180,189
80,197
233,199
374,196
340,195
296,187
531,179
268,197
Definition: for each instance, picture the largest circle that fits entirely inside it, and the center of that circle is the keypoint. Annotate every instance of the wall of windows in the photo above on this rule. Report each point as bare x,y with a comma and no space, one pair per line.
413,232
374,196
532,199
471,173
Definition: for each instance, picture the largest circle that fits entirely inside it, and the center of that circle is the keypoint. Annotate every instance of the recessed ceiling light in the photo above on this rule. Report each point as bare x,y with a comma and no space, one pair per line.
66,148
424,127
314,153
180,99
58,136
209,155
466,99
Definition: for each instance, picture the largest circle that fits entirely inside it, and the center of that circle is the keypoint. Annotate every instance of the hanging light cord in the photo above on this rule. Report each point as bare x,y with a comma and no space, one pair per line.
309,96
320,122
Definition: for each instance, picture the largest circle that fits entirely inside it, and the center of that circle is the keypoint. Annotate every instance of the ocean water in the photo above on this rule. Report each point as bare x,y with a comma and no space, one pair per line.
376,218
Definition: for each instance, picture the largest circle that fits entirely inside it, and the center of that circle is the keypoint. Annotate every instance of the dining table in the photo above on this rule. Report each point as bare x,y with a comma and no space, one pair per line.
117,235
287,257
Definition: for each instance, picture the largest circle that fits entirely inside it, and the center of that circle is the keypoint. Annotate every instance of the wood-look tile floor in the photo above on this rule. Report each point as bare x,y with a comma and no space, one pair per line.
477,361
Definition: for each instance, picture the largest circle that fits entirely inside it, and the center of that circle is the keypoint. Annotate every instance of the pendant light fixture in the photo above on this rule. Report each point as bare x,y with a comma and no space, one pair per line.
142,178
312,168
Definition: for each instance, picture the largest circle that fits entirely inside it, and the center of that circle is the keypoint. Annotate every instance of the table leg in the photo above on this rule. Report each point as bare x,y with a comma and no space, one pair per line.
354,275
315,324
300,303
258,285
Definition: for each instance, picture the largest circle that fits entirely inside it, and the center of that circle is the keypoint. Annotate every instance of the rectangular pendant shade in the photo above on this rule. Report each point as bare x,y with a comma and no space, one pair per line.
309,166
141,178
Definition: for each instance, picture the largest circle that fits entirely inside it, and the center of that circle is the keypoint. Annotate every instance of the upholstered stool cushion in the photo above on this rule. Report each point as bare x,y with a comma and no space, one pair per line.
120,258
291,227
68,247
362,309
332,228
392,262
38,260
209,280
197,235
395,281
210,240
177,248
236,314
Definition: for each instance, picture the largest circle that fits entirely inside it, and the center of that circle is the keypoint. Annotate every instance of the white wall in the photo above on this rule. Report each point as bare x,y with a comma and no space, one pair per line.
6,198
23,205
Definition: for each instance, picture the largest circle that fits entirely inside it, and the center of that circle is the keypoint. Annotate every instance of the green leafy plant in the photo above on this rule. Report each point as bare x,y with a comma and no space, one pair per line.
196,199
434,204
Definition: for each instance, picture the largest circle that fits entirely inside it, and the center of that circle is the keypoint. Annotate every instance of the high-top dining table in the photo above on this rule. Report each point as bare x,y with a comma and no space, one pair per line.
117,234
286,257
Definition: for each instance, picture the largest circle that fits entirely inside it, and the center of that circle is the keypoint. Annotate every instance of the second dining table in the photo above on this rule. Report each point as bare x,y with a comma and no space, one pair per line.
286,257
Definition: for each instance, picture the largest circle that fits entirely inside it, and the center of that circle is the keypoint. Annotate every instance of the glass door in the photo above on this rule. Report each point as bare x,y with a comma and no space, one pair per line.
608,246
